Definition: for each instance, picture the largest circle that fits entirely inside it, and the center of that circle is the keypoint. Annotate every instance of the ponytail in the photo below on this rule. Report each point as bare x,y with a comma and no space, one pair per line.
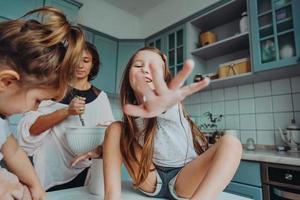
44,53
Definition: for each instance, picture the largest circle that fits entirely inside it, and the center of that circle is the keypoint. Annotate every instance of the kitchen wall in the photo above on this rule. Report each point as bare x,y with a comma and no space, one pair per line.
107,18
255,110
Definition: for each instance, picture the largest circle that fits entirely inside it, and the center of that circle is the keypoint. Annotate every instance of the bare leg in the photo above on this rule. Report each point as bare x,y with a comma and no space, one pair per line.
208,175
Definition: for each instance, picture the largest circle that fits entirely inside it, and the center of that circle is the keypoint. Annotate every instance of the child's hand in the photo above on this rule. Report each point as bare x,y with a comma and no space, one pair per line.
10,187
164,96
95,153
37,193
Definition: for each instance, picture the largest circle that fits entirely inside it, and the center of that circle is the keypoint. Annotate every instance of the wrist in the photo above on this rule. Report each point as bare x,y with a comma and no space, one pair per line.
65,111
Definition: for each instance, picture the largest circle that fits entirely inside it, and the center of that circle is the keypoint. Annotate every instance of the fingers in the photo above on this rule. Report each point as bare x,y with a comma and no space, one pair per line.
77,105
158,79
18,191
143,87
179,79
194,87
26,193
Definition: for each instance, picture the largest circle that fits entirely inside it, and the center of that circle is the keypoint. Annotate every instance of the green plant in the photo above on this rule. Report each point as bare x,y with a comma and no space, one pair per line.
212,124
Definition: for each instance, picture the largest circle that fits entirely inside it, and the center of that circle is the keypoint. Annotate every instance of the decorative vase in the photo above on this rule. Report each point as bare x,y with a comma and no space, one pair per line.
244,23
286,51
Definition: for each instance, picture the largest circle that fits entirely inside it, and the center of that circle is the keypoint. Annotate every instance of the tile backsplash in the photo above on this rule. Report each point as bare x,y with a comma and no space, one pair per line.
255,110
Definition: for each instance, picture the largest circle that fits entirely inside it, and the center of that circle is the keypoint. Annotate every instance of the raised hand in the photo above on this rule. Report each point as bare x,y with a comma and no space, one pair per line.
164,96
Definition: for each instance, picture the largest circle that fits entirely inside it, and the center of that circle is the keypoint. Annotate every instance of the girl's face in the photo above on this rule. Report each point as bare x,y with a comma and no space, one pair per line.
84,69
141,64
21,100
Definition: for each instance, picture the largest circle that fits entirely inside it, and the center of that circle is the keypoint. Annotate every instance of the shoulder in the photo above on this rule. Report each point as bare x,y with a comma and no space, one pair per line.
96,90
116,126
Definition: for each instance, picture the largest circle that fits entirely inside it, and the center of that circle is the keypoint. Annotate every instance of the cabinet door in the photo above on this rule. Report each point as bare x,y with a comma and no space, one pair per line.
159,43
243,190
176,49
17,8
70,8
248,173
125,51
107,49
275,32
89,36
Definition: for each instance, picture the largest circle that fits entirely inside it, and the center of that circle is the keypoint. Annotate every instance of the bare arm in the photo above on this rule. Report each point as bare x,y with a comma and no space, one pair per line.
46,122
19,164
112,161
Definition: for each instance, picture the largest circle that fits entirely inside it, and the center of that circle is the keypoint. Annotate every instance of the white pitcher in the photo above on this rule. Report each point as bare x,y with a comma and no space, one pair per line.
96,185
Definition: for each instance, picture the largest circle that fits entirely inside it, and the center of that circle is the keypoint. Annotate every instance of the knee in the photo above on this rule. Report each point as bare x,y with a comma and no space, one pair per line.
232,143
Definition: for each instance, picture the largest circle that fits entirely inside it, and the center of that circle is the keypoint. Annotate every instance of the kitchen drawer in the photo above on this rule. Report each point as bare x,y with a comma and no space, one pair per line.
248,173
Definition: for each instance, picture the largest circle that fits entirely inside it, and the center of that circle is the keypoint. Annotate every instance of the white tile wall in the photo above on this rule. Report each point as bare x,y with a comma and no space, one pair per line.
255,110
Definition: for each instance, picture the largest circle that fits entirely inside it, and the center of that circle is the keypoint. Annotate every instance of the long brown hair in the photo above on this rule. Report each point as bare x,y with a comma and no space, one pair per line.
130,130
43,53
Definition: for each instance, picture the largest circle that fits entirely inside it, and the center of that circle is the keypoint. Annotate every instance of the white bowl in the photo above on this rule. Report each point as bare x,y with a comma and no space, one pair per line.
83,139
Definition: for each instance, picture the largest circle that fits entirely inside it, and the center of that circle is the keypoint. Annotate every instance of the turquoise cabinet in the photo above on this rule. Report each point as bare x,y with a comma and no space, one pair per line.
247,181
107,49
125,50
158,42
17,8
275,33
69,7
89,35
176,49
245,190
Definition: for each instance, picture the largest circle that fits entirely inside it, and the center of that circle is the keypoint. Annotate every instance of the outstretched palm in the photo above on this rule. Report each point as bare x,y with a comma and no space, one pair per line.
164,96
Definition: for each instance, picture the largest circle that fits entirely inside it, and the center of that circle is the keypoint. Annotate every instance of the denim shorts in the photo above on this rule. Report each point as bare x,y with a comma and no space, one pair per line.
165,183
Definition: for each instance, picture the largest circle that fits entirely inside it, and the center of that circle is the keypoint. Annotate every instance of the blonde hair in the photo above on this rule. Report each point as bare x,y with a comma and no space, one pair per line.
130,130
43,53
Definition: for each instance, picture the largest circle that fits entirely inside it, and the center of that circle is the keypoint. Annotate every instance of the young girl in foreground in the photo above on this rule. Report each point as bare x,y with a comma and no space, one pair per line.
162,149
165,154
36,61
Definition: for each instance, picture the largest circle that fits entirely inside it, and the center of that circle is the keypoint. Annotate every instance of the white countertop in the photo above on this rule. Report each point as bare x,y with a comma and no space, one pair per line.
273,156
128,193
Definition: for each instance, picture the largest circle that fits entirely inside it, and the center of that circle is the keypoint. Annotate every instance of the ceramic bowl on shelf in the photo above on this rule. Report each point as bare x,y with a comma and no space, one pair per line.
83,139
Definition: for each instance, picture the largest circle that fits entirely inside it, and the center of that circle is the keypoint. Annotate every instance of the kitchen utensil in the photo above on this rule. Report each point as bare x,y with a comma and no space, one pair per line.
80,116
84,139
291,136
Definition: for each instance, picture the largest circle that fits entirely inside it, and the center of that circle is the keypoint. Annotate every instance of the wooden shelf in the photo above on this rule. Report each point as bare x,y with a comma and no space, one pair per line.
222,47
251,77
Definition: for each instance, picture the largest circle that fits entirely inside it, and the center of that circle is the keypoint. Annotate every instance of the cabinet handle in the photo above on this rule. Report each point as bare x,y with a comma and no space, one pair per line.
288,177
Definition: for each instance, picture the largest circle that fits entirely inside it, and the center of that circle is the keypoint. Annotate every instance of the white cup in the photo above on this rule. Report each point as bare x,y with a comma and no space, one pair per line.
97,180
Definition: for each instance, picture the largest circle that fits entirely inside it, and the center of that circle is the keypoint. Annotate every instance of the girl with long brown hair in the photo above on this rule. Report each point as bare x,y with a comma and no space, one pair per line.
36,61
161,147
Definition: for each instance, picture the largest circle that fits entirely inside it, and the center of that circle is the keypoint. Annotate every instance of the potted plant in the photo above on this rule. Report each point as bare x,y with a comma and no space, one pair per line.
212,125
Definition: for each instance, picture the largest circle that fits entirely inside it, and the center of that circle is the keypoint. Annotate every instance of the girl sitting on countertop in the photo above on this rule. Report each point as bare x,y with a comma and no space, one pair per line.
36,60
162,149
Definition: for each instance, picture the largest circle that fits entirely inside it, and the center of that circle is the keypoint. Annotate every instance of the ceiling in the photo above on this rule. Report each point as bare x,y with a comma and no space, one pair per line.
135,7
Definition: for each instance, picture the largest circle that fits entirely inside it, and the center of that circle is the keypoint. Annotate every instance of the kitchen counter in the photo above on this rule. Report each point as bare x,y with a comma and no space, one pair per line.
128,193
273,156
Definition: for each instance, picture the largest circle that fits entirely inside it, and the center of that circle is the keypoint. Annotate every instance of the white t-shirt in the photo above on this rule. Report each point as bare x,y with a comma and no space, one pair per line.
51,153
4,133
173,142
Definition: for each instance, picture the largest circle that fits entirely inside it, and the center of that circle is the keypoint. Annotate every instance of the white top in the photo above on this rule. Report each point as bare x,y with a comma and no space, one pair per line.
173,142
4,133
51,153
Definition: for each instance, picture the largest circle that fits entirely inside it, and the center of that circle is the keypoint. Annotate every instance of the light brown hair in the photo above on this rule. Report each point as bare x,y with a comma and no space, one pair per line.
130,130
43,53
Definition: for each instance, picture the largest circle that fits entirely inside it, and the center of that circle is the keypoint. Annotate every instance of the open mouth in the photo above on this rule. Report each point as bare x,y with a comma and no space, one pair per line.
148,80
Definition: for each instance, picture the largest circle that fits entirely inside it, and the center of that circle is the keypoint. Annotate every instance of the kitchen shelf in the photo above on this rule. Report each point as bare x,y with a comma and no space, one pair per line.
226,46
215,17
252,77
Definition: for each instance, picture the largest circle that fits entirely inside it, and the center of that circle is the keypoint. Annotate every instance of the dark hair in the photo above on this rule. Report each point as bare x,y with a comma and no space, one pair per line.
95,60
43,53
